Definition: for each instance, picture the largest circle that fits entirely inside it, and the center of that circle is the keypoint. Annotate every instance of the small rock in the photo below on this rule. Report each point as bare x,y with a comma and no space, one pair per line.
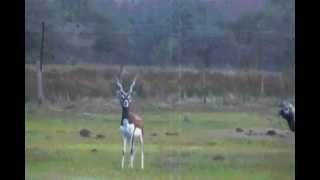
85,133
271,133
239,130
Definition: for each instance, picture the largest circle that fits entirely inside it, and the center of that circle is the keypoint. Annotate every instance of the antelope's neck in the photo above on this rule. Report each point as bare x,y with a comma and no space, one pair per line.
125,114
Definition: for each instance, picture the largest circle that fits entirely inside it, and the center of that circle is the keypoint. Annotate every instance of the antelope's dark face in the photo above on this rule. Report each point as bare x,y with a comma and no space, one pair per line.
125,97
286,109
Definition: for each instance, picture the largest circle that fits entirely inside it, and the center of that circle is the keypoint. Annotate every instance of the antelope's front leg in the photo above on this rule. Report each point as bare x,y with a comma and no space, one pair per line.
124,144
132,151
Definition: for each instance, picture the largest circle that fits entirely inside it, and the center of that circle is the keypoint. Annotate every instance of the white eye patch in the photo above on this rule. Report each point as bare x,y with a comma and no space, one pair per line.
126,103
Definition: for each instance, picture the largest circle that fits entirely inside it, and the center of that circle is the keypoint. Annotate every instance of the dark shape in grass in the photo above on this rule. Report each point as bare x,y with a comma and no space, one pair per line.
170,163
85,133
100,136
94,150
153,134
218,158
212,143
271,132
239,130
172,134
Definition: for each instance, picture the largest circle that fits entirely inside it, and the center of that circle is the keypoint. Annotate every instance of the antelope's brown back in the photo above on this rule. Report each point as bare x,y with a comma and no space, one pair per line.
136,120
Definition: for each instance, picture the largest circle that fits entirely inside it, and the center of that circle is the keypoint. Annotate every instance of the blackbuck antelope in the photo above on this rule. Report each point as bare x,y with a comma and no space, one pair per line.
131,125
287,111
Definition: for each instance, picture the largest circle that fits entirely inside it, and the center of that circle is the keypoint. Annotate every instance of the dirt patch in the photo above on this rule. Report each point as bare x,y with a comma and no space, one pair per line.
153,134
282,136
251,133
212,143
100,136
218,158
172,133
94,150
60,131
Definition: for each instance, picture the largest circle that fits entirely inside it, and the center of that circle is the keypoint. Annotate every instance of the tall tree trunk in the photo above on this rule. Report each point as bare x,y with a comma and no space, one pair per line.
262,85
179,82
179,53
39,70
203,80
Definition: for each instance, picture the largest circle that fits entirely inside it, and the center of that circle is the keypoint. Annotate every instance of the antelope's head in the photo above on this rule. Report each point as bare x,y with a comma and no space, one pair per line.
287,112
286,109
125,97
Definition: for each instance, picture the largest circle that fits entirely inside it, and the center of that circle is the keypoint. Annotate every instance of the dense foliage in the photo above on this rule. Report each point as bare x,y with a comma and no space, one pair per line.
252,34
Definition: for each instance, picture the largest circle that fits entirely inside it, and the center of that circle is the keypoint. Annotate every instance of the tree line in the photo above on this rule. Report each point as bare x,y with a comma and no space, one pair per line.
162,32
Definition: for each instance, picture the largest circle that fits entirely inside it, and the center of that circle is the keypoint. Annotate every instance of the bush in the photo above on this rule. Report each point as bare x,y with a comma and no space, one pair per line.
73,82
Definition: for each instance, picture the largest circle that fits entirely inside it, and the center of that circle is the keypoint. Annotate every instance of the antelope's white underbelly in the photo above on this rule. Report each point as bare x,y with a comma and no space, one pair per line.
127,130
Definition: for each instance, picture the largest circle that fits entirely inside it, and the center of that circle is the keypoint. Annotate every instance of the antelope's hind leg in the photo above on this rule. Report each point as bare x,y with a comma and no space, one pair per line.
142,151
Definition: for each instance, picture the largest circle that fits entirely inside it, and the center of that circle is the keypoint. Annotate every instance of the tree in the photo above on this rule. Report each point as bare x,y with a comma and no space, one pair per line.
180,23
40,69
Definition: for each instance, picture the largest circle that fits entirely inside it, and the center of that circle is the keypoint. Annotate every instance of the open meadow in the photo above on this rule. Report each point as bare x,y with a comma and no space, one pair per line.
178,145
207,77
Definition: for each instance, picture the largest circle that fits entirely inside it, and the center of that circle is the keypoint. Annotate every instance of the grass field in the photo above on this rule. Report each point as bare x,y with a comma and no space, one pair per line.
206,147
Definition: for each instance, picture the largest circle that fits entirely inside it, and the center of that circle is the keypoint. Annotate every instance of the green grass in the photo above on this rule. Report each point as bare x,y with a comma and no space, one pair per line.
55,150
